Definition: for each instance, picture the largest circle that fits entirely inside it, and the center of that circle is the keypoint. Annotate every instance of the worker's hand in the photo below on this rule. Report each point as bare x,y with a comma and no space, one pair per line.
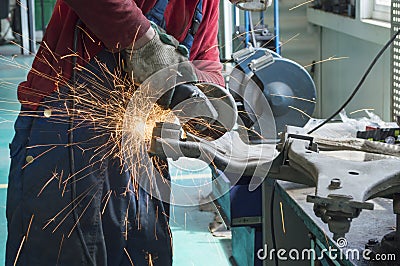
162,51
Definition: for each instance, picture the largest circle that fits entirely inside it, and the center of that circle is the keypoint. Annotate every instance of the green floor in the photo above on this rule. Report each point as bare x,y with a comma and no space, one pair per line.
12,71
193,244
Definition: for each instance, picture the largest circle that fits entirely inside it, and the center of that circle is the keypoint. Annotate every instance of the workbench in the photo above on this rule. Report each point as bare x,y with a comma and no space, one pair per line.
295,226
370,226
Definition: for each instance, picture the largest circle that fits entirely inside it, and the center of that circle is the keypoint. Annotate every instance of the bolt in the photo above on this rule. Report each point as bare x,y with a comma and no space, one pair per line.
335,183
371,243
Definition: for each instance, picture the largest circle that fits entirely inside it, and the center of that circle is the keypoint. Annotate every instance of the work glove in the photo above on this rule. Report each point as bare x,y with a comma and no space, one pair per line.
161,52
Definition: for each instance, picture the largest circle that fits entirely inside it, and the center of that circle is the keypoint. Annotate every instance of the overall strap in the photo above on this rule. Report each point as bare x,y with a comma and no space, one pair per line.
198,16
156,14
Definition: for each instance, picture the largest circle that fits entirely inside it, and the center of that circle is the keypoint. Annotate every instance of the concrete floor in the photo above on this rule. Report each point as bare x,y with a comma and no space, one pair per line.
193,244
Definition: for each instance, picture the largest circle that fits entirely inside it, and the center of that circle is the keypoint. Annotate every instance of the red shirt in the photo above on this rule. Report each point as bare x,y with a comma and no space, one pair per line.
113,24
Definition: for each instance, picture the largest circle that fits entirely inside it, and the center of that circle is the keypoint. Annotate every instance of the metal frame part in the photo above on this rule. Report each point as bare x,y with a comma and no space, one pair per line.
336,201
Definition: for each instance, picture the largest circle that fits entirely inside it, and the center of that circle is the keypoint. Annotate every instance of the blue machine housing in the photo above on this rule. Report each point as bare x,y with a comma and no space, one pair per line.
241,212
291,94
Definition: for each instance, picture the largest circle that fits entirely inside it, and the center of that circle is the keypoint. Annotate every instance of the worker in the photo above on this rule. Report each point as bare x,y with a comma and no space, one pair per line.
7,20
67,202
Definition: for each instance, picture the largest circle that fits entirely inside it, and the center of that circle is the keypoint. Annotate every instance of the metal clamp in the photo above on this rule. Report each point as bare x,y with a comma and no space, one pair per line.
261,62
243,54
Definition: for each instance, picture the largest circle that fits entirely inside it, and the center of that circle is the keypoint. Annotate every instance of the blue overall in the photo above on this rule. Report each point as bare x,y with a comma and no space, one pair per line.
156,14
88,215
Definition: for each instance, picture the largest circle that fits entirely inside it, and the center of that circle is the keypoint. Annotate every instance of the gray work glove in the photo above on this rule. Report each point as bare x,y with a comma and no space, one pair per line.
161,52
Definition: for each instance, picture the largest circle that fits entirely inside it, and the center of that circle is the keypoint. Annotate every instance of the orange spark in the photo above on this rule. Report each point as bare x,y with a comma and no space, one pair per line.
59,250
29,227
301,4
19,250
129,257
282,217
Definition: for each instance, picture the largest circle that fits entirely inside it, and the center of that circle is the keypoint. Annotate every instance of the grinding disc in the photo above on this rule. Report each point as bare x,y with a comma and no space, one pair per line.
290,91
288,87
225,106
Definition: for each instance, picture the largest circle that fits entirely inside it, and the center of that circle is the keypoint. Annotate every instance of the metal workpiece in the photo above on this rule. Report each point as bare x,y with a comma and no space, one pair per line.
343,187
165,131
332,203
374,148
228,153
378,178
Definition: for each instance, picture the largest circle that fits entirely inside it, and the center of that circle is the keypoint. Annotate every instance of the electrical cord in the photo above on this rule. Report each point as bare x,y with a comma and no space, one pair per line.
71,104
326,121
271,207
359,84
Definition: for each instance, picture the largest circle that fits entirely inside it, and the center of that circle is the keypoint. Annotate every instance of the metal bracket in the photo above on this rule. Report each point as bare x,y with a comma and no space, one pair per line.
338,211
